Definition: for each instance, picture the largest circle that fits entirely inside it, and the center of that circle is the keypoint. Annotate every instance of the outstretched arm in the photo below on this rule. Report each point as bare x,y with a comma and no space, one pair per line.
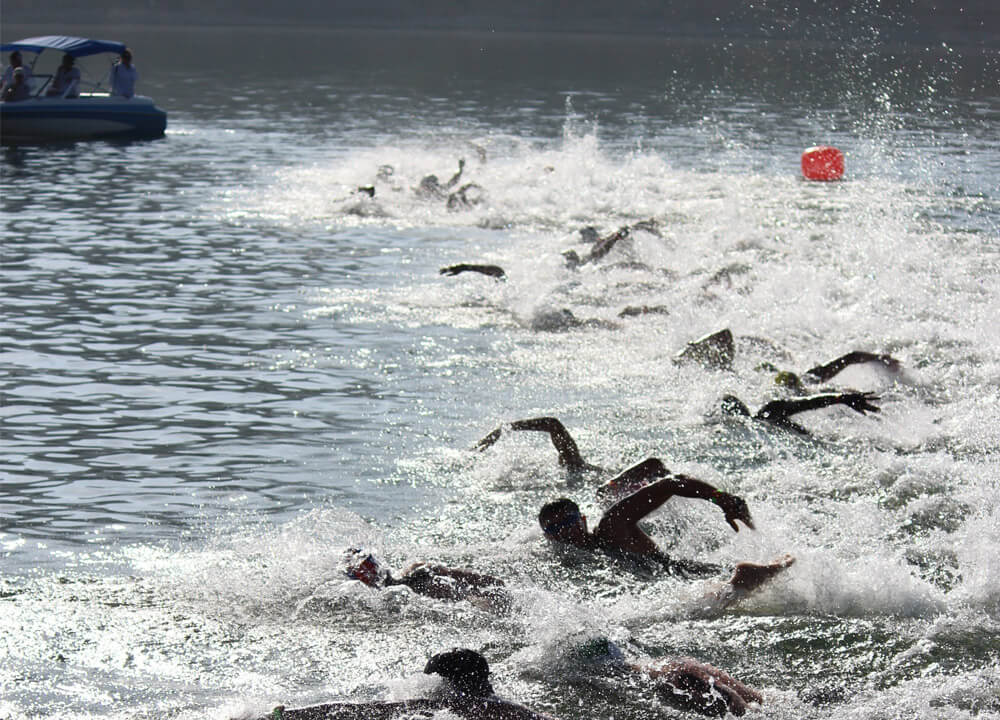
358,711
605,245
633,478
778,411
454,178
642,502
822,373
492,270
427,572
569,453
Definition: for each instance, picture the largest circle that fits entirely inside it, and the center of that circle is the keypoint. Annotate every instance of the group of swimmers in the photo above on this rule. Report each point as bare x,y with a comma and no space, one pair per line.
627,498
467,692
462,197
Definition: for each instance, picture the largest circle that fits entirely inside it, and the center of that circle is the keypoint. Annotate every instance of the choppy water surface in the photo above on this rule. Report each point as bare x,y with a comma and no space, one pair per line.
222,366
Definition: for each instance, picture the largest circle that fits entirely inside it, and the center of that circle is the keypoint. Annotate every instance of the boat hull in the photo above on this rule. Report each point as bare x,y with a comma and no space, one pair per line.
83,118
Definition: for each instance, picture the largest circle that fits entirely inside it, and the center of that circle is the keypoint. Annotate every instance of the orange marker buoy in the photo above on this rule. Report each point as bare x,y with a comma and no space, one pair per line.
822,163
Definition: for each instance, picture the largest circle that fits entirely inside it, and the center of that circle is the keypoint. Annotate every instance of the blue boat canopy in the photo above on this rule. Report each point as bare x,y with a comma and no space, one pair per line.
75,46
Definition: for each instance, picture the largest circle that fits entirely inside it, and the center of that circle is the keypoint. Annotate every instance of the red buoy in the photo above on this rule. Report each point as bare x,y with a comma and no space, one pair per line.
822,163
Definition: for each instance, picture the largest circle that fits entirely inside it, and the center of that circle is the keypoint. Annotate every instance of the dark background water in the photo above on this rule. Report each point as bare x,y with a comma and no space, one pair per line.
972,23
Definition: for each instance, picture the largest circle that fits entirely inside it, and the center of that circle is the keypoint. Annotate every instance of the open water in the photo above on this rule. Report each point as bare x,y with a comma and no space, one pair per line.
221,366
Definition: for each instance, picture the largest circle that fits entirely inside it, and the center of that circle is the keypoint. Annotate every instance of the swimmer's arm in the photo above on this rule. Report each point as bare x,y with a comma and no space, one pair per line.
642,502
454,178
569,453
359,711
645,471
605,245
492,270
778,411
822,373
494,708
472,579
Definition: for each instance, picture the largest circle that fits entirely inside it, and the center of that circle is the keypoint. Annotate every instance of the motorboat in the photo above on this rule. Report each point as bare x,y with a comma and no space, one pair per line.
88,115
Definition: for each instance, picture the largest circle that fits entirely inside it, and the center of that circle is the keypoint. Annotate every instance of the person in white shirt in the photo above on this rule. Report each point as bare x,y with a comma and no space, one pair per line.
124,76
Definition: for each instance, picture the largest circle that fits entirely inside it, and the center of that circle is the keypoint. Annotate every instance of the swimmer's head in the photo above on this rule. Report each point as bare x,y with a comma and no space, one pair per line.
561,520
466,671
364,567
732,405
789,380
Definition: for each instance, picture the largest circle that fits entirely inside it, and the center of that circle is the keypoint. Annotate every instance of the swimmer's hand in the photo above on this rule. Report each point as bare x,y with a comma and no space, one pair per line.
494,271
861,402
749,576
890,363
735,508
488,440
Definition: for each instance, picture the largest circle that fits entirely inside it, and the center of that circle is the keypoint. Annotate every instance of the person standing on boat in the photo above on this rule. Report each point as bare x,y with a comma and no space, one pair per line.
16,63
66,81
124,76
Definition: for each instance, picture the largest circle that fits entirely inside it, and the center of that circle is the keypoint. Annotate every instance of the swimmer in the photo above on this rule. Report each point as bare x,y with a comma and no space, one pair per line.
683,683
636,310
434,581
466,692
822,373
602,246
618,531
714,351
717,351
430,187
778,412
466,197
357,711
569,453
625,483
494,271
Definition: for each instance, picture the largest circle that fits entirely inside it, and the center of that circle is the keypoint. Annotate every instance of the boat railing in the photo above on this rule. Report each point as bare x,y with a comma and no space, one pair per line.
40,83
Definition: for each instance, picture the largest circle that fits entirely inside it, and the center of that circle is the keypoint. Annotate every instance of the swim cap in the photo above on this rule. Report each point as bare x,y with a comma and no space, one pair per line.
467,670
788,380
732,405
364,567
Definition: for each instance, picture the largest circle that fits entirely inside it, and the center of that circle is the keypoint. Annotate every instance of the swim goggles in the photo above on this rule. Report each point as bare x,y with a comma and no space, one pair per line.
566,521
